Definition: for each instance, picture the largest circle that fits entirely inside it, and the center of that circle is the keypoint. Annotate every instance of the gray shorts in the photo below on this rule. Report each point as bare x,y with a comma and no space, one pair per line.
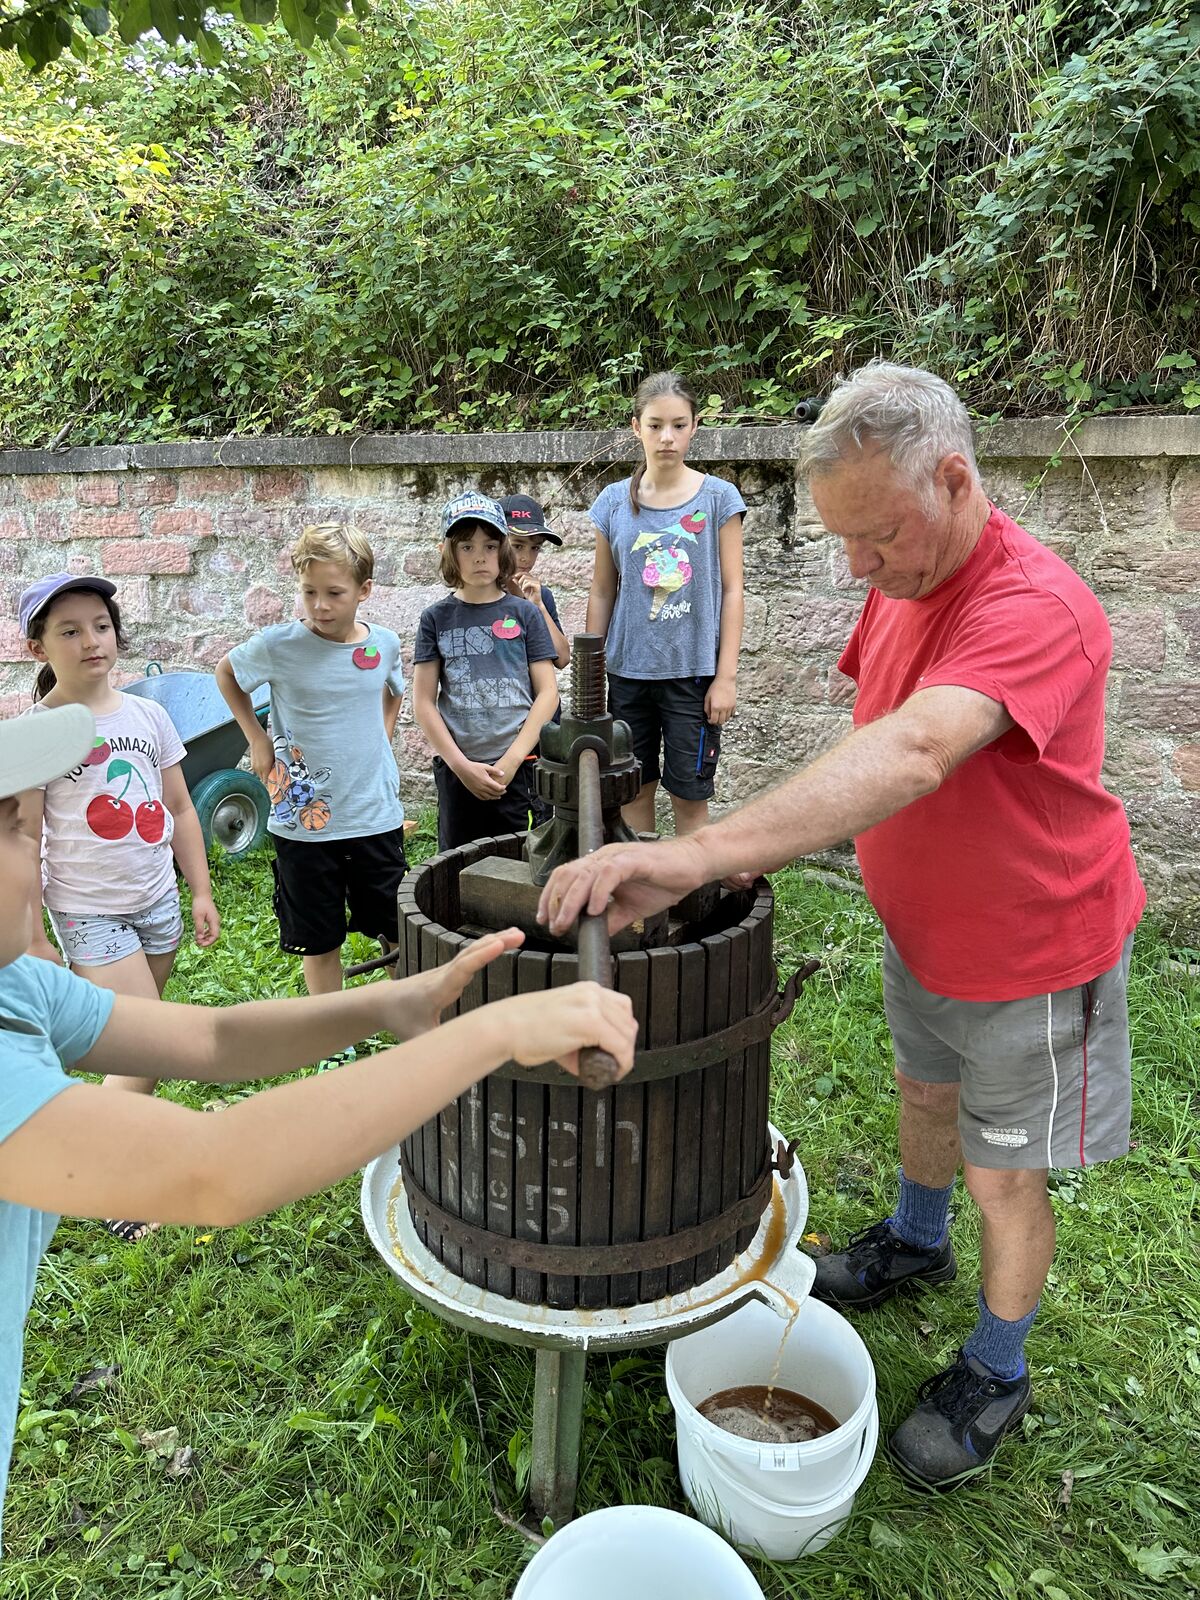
1044,1082
91,941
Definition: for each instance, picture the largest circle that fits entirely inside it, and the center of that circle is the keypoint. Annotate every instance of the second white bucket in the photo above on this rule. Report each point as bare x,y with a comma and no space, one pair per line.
781,1500
636,1551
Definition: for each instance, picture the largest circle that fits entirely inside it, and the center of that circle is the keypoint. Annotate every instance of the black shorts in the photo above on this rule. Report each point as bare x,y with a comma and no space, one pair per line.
317,882
668,713
463,816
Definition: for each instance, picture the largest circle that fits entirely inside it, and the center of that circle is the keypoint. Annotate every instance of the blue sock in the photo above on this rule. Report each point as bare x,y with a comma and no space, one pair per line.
999,1345
921,1214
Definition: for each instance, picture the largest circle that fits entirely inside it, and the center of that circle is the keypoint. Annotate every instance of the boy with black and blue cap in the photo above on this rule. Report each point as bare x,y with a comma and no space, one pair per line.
483,679
527,533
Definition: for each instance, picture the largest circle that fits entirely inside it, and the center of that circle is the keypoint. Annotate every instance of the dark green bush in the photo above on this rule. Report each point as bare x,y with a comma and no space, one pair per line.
499,216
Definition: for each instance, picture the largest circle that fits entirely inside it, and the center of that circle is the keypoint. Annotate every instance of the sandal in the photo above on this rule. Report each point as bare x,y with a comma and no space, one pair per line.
129,1232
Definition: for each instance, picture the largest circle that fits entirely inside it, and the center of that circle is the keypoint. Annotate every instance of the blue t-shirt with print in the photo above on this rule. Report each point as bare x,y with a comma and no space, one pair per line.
666,621
49,1018
485,651
335,776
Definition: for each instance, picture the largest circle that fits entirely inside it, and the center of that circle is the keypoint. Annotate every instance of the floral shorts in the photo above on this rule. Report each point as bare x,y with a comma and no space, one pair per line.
91,941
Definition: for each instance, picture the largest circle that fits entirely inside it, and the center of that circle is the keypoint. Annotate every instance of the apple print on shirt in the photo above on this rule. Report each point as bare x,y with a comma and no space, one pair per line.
110,816
506,628
366,658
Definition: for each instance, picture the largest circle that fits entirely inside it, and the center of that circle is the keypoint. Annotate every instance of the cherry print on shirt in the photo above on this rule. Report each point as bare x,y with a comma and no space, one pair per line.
151,820
110,816
367,657
508,628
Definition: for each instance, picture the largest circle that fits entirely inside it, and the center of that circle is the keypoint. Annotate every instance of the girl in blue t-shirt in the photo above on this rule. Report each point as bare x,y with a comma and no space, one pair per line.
667,595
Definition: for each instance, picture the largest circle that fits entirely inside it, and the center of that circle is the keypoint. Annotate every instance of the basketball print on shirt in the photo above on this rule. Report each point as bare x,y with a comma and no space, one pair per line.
293,789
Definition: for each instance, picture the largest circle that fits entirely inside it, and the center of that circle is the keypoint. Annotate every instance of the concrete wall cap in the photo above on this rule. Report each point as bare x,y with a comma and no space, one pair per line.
1036,438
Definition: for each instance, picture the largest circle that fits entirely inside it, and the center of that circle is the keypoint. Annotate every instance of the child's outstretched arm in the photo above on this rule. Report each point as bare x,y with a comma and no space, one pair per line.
187,842
262,751
545,686
266,1038
474,774
602,596
721,698
93,1154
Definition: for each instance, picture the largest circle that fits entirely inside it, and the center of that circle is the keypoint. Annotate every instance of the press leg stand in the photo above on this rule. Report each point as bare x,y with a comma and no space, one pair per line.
557,1429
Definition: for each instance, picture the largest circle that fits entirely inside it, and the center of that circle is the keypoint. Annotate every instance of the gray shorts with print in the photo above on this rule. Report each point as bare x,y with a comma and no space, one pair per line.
91,941
1043,1082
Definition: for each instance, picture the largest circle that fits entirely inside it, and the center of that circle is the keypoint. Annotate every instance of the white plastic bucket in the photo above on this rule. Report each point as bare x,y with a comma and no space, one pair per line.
781,1500
631,1551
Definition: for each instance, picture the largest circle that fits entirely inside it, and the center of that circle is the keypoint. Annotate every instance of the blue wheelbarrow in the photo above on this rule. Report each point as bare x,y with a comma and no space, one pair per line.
232,804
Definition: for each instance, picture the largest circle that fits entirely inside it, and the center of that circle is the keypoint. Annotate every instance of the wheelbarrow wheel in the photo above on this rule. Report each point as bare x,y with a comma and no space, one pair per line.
233,808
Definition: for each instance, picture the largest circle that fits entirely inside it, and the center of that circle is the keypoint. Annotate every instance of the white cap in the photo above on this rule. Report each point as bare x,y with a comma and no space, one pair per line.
43,745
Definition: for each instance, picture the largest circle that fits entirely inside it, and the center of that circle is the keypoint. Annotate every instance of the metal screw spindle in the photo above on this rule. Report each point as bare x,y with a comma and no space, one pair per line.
589,698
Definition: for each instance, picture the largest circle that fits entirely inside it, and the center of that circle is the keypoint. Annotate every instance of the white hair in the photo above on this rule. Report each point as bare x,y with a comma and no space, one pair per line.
915,417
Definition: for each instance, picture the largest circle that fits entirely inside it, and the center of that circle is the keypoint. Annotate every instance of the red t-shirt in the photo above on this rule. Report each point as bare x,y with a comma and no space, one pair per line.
1016,877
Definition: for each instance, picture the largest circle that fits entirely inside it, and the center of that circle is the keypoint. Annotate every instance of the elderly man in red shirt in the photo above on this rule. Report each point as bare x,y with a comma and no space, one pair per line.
999,865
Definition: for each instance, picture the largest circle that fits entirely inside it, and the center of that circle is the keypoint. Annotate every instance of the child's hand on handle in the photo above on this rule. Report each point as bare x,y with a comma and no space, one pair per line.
414,1005
262,755
477,776
206,920
720,701
556,1024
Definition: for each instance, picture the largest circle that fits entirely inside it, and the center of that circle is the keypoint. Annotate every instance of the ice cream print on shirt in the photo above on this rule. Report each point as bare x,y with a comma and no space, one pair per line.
666,568
293,789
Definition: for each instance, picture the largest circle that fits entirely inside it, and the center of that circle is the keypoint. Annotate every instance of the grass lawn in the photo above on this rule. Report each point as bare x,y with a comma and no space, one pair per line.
337,1451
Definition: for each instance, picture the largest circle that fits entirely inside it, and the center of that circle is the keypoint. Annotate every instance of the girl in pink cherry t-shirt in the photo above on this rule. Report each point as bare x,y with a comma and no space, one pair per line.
113,828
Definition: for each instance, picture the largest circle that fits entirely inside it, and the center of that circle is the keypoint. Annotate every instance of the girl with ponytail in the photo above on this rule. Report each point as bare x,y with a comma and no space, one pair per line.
667,596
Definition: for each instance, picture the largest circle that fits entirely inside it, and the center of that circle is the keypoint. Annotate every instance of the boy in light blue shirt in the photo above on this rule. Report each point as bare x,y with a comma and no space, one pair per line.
336,816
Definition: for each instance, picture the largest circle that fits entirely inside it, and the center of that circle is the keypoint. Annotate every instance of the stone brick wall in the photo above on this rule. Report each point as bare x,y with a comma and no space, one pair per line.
197,536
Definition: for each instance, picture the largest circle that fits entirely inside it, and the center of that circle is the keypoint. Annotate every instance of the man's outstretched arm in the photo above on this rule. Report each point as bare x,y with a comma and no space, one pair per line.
867,777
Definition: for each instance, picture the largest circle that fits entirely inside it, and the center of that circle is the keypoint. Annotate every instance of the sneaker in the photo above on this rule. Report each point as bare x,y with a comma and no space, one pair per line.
961,1416
876,1264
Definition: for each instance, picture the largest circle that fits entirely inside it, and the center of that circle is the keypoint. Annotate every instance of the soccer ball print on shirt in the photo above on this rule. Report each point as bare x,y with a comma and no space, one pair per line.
293,789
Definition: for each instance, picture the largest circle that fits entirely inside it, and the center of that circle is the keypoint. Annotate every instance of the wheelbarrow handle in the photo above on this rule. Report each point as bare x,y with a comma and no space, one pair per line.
359,967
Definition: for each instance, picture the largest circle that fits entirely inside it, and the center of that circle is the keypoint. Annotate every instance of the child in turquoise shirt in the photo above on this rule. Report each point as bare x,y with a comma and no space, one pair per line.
69,1146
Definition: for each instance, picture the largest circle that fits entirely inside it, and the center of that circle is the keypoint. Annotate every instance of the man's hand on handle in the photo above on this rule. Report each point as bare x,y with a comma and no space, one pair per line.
628,881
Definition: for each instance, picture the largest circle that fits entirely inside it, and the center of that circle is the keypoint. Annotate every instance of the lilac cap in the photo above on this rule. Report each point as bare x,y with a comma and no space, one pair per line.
39,594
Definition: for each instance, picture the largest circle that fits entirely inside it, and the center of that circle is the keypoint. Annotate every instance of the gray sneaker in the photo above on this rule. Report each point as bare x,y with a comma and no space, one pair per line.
876,1264
961,1416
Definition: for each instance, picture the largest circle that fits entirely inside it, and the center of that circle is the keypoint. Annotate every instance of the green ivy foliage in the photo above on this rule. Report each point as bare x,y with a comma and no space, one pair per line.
39,31
502,215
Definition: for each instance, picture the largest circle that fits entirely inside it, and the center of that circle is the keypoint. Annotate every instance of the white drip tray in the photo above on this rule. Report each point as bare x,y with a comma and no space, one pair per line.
782,1282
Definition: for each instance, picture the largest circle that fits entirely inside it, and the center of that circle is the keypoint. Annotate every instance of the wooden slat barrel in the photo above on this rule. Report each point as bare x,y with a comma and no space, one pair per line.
551,1194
